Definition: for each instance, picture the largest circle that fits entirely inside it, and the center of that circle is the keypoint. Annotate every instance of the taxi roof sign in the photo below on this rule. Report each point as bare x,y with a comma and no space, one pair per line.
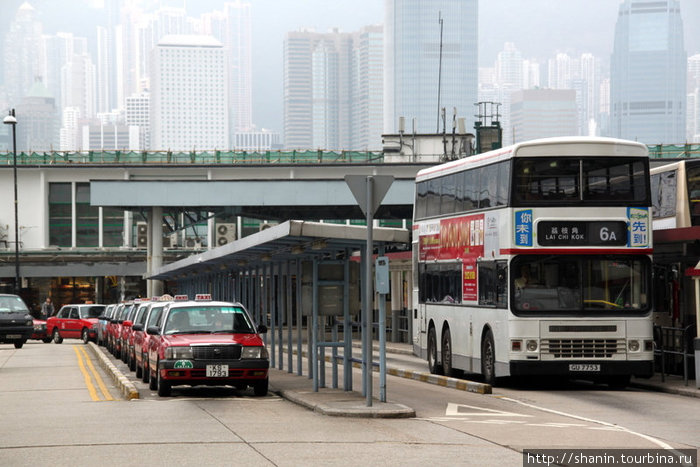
181,298
202,296
166,298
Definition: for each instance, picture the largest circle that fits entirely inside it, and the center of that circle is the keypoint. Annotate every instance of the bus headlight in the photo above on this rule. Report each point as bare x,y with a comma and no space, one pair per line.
633,346
516,346
531,345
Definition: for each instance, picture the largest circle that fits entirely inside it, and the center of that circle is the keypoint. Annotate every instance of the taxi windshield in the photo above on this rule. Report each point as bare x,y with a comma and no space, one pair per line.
91,311
208,320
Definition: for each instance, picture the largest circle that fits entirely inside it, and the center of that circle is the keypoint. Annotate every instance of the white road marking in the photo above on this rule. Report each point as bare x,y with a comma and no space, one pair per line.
453,410
658,442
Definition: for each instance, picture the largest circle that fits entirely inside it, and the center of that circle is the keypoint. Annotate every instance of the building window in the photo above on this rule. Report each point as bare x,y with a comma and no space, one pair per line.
87,217
60,214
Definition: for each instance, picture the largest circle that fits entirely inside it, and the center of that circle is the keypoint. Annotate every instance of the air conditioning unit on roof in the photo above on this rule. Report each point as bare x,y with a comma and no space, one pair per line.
193,243
225,233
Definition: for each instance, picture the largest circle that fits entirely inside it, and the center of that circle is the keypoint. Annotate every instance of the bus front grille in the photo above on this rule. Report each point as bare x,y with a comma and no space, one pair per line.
582,348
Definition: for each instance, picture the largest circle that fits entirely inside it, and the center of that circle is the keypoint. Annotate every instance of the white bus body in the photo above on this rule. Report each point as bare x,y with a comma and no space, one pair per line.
535,259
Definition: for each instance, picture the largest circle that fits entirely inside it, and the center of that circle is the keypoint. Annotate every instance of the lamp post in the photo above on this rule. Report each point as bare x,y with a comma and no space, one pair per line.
11,120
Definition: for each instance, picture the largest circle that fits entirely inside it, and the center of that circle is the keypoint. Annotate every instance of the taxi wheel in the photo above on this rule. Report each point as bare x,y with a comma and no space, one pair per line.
146,376
85,336
139,371
46,340
57,336
163,387
260,388
132,362
152,381
19,344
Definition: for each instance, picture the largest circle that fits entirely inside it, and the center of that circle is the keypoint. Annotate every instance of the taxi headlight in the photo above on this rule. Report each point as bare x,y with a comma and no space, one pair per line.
29,322
633,345
178,353
254,352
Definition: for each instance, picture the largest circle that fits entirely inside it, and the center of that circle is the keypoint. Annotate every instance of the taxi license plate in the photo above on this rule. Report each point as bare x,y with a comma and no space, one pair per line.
584,367
217,371
13,336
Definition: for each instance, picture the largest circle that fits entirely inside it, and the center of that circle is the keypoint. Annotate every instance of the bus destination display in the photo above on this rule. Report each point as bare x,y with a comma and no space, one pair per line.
582,233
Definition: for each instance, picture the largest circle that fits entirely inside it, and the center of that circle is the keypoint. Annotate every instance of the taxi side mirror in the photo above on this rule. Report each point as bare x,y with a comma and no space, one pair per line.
137,327
262,329
153,331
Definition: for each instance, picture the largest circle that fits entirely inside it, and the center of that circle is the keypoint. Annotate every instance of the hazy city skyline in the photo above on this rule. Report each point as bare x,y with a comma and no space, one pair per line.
538,28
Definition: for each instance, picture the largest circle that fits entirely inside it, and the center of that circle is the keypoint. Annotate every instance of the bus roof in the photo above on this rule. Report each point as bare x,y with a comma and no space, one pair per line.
559,146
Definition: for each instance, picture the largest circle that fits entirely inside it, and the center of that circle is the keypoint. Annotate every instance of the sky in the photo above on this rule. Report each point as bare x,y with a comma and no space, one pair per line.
539,29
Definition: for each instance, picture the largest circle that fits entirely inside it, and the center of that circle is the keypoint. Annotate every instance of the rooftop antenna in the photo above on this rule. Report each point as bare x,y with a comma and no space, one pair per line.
439,72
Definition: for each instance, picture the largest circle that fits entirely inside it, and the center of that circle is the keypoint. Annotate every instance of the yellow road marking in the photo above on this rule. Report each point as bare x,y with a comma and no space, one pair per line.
103,388
86,375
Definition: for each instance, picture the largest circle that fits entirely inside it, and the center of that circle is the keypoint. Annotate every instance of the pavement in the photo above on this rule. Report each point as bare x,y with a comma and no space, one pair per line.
400,362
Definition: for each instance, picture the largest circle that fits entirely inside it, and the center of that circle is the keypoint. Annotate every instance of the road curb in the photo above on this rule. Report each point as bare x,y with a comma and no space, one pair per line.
127,388
445,381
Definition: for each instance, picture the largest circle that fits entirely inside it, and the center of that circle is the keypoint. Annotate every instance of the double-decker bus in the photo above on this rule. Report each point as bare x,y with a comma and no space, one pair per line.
535,259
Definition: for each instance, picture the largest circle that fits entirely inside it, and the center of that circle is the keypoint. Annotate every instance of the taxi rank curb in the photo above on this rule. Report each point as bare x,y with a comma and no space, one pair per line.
127,388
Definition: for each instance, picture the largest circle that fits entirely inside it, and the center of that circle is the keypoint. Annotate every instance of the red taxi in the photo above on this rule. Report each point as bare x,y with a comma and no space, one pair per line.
114,328
40,333
128,332
141,338
77,321
205,342
125,330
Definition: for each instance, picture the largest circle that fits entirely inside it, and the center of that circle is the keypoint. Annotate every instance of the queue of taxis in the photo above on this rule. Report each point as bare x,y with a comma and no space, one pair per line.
174,341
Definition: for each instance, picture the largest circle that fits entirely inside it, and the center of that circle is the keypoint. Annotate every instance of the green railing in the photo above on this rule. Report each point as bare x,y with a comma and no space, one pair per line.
656,151
673,151
192,157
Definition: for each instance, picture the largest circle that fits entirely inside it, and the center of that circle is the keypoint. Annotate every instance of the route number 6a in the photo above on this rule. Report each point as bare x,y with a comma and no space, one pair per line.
607,236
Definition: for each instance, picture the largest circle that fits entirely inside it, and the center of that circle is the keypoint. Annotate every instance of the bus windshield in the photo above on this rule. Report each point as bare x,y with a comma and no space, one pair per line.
564,284
570,180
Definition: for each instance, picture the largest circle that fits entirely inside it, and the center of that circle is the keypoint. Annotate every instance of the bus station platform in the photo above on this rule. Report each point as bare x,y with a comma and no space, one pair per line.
401,363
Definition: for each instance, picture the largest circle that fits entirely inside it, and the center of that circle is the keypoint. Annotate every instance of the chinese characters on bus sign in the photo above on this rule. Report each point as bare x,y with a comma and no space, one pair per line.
523,228
582,233
638,227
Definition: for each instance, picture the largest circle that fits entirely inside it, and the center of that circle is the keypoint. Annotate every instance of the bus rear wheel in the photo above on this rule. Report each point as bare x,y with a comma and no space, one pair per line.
446,353
432,353
488,359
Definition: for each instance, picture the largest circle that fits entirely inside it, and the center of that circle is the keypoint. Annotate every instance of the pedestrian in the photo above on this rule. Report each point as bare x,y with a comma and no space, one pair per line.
47,308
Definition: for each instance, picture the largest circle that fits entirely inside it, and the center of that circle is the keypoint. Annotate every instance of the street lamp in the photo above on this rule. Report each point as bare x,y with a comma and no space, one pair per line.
11,120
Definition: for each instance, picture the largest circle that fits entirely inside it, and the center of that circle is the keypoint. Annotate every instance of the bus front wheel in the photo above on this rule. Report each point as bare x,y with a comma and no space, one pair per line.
488,358
432,353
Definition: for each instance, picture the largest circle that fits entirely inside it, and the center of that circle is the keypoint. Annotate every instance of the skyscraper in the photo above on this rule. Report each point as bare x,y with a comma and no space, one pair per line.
415,80
189,94
648,73
22,60
318,83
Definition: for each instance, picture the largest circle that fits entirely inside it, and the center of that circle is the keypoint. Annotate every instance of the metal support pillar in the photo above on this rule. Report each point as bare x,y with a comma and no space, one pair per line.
347,326
382,340
288,301
279,311
314,328
300,320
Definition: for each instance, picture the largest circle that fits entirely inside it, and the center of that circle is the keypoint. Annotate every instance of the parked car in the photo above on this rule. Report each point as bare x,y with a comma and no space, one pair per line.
16,324
40,333
102,321
205,342
75,321
142,338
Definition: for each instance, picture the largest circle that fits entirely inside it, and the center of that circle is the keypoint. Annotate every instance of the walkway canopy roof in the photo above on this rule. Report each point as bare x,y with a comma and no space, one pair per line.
287,241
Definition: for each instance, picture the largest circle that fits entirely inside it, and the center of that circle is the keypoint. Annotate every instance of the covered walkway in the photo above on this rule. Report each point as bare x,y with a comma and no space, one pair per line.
301,278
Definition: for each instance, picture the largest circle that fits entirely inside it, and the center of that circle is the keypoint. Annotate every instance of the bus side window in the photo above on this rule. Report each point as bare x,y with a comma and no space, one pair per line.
493,288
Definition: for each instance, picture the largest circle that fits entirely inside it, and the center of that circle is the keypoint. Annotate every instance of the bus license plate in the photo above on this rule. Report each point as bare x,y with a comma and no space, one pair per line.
584,367
217,371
